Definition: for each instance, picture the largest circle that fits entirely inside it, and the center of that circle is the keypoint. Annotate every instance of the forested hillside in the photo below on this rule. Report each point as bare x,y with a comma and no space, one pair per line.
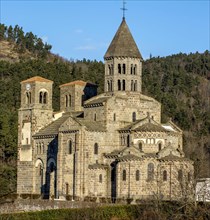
180,82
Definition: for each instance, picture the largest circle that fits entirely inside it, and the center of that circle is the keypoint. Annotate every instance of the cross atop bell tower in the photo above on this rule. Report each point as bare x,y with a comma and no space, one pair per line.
124,9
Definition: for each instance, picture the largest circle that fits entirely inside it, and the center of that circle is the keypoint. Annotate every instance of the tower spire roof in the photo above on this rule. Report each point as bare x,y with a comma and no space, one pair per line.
123,44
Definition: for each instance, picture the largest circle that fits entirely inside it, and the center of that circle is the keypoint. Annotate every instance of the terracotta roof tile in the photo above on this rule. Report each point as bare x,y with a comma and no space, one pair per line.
36,79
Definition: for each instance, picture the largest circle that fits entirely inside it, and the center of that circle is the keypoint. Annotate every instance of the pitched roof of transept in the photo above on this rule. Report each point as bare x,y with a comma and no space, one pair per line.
123,44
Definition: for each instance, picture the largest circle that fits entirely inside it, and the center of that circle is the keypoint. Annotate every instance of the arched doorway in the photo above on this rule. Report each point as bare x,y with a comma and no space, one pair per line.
39,177
113,181
51,179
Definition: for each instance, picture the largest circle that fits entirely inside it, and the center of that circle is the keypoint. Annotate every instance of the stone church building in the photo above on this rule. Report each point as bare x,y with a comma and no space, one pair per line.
108,146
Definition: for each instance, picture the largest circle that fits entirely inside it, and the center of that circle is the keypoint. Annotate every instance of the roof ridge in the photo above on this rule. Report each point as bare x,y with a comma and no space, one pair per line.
36,78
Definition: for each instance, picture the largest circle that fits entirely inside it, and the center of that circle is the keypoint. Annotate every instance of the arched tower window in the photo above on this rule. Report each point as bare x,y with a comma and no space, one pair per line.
45,98
95,116
100,178
110,71
123,87
66,100
131,69
119,85
132,85
164,175
135,69
135,86
28,98
70,150
40,97
150,172
124,68
96,148
119,68
137,175
111,87
69,101
124,175
134,116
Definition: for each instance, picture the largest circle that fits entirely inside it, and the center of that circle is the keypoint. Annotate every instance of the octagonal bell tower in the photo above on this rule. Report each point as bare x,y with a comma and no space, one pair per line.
123,63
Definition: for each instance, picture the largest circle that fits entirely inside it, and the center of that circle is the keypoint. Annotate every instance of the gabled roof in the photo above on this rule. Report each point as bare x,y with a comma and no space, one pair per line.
98,166
78,82
148,127
36,79
52,128
123,44
92,125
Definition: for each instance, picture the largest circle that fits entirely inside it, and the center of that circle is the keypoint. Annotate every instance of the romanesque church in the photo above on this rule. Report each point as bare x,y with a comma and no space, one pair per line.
108,146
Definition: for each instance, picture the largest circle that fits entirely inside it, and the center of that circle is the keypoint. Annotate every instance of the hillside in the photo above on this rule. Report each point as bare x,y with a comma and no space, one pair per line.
180,82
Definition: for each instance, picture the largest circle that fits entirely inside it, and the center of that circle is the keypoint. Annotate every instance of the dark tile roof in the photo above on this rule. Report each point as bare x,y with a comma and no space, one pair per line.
123,44
150,127
98,166
174,158
53,127
92,125
147,127
129,157
96,101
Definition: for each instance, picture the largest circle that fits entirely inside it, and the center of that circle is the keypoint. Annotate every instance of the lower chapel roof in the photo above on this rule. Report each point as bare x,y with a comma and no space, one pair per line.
53,127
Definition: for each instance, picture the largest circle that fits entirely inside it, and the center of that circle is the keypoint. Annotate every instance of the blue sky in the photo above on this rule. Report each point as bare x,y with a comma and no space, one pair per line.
84,29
